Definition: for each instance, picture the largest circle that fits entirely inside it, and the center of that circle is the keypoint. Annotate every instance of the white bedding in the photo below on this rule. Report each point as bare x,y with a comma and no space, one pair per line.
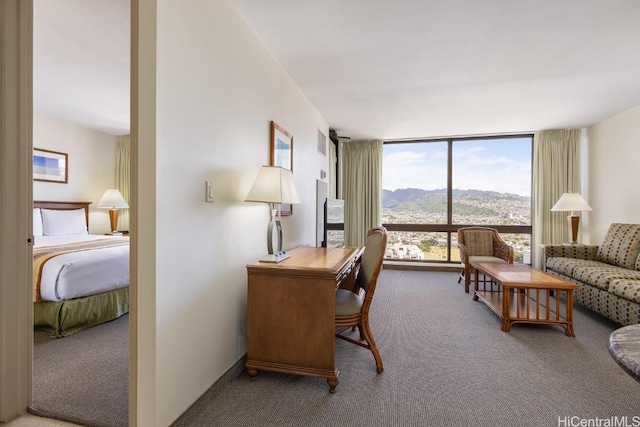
83,273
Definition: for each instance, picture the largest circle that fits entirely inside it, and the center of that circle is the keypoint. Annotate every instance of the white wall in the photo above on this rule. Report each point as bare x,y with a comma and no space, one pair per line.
91,165
217,89
614,156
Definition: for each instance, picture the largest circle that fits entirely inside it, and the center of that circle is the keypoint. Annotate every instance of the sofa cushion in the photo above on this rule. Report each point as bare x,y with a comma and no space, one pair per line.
566,266
600,275
621,245
626,288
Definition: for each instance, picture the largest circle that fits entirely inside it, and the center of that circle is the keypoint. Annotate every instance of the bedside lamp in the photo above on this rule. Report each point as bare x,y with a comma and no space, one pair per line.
571,202
113,200
274,185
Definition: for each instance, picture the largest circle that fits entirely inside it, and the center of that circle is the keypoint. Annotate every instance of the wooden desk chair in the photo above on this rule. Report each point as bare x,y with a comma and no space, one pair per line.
352,306
481,244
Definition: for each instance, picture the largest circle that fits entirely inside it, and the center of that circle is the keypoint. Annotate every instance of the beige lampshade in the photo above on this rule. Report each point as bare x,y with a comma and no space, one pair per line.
112,199
571,202
274,184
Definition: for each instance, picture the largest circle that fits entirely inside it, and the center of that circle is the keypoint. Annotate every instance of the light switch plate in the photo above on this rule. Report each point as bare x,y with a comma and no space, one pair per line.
209,192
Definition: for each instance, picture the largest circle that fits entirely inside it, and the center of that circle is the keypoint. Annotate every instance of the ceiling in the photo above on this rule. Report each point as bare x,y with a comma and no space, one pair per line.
81,62
380,69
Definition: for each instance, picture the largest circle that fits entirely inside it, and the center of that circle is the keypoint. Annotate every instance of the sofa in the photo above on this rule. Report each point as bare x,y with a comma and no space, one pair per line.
608,275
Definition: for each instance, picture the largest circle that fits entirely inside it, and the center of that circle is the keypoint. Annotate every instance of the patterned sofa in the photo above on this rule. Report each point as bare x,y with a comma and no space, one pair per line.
608,275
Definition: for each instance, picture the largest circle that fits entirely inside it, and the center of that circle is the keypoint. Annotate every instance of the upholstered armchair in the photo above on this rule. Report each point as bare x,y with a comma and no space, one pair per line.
481,244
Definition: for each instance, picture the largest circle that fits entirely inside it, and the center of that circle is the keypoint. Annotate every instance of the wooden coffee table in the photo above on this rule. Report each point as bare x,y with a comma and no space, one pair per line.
522,294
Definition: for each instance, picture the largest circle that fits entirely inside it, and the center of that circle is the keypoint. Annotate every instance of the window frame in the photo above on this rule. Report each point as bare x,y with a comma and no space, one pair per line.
450,228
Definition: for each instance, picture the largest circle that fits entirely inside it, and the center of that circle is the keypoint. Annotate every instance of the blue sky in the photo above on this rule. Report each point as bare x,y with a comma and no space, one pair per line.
502,165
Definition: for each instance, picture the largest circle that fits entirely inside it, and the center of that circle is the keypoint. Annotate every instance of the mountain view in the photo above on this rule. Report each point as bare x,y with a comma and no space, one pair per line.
413,205
417,206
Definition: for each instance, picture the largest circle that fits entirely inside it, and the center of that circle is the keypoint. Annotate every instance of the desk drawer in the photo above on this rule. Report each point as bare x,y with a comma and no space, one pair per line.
346,279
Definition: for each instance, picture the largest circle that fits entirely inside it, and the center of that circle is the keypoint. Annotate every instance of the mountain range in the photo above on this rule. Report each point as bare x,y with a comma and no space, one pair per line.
472,202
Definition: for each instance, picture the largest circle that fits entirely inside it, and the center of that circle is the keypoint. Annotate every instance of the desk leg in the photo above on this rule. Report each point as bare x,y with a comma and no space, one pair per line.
333,383
253,374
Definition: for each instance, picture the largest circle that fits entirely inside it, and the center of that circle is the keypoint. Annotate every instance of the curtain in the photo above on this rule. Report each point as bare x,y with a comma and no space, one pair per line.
123,178
556,170
361,189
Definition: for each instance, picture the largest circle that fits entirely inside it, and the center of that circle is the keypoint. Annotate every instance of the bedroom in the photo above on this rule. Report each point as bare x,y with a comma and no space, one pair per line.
171,210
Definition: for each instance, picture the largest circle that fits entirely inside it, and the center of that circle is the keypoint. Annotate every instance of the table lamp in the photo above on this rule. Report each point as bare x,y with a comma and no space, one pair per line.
274,185
571,202
113,200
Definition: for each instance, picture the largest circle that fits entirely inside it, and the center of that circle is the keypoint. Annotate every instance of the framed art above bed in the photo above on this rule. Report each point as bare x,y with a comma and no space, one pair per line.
50,166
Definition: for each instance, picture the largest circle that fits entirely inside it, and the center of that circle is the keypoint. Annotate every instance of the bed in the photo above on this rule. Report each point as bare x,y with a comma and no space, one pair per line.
79,279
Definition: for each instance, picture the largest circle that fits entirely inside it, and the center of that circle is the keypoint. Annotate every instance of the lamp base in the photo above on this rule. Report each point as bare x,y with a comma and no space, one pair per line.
274,258
573,221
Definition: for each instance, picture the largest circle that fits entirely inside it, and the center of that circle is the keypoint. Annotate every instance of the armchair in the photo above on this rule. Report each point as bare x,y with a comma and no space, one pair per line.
481,244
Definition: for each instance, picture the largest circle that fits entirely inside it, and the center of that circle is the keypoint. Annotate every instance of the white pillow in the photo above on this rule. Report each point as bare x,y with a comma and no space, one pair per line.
37,222
64,222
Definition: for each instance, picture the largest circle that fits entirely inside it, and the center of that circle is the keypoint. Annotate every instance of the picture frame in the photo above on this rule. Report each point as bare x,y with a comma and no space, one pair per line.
50,166
281,154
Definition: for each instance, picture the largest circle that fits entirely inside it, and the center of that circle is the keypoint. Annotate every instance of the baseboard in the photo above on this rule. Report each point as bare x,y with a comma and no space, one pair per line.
422,266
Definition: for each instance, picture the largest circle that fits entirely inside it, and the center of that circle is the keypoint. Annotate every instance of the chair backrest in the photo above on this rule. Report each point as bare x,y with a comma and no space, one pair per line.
372,257
478,240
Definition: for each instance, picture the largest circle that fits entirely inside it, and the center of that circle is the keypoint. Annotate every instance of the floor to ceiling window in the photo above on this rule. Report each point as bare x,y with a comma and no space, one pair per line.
433,187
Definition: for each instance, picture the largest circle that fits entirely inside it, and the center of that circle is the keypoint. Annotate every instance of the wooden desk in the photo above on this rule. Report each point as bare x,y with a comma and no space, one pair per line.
291,312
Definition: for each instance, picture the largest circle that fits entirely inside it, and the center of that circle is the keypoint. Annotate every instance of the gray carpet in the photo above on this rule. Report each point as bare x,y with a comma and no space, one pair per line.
447,363
83,378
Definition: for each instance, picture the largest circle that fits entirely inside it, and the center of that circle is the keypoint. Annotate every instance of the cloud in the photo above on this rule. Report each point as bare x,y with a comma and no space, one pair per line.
490,165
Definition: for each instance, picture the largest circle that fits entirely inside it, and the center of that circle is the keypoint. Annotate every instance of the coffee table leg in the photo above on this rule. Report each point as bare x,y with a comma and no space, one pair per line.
506,304
475,285
569,313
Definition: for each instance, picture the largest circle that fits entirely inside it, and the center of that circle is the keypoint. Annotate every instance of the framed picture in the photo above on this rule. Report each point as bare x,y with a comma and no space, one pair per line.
50,166
282,155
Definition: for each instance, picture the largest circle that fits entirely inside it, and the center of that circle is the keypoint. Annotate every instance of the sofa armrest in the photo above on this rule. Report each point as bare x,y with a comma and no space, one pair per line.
577,251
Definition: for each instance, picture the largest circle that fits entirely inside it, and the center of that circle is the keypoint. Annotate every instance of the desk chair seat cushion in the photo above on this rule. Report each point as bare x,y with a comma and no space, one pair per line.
484,258
348,303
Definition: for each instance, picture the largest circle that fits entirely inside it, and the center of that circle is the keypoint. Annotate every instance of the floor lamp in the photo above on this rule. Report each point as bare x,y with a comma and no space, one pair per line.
571,202
274,185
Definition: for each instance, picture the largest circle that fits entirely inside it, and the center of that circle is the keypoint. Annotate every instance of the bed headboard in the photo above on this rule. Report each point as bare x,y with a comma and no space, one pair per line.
64,206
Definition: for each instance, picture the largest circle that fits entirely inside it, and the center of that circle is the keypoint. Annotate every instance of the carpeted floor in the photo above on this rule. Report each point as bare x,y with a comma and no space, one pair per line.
447,363
83,378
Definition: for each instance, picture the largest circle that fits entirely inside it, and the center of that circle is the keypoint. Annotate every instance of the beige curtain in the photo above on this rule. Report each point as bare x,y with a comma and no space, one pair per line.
123,178
361,189
556,170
